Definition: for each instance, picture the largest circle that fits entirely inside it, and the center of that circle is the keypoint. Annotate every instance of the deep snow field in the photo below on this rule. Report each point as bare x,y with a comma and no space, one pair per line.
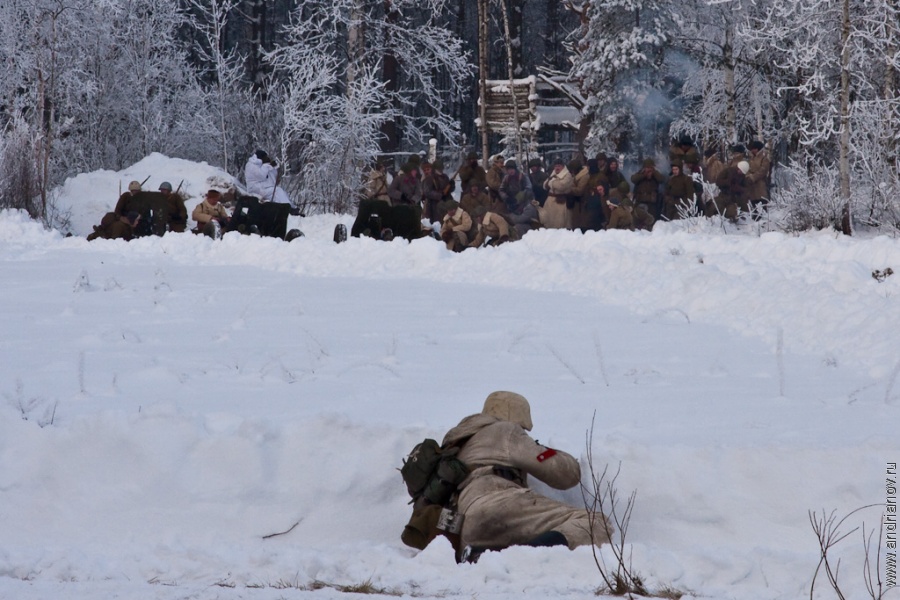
167,404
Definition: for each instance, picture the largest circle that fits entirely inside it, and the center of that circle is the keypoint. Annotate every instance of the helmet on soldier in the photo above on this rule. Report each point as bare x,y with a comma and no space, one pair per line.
509,406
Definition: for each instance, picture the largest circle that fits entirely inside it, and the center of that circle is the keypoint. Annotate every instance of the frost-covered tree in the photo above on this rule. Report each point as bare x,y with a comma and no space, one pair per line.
40,70
726,94
94,84
221,66
400,39
330,131
836,60
339,92
616,55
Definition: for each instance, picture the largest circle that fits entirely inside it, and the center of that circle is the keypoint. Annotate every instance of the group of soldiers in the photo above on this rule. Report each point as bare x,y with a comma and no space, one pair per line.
504,202
495,205
140,212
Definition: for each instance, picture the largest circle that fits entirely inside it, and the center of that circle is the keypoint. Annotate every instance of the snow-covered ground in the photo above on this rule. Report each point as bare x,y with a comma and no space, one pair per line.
167,404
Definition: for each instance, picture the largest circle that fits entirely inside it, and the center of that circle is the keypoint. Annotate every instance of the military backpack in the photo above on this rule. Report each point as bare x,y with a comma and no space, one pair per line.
432,472
432,475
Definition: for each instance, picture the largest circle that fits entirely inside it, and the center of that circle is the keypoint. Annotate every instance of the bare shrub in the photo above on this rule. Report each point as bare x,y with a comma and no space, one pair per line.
610,518
828,531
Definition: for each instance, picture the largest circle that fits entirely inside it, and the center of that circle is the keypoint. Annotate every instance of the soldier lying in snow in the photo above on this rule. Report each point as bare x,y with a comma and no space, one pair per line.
494,503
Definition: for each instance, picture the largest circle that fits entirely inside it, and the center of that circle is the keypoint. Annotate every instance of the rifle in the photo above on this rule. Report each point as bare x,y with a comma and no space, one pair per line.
449,185
179,187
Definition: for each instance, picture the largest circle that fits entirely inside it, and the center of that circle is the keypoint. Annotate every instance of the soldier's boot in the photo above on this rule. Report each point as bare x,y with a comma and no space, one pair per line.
547,539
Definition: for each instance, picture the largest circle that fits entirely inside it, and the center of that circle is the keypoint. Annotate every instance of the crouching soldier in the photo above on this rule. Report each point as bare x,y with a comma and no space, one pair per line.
115,227
210,215
493,229
498,509
621,212
456,227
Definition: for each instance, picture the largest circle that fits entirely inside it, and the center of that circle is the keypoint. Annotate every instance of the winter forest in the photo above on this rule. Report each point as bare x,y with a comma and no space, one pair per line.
328,85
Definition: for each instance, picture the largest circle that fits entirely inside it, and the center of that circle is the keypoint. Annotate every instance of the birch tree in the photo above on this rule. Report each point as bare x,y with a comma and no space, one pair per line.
834,57
616,54
339,88
726,94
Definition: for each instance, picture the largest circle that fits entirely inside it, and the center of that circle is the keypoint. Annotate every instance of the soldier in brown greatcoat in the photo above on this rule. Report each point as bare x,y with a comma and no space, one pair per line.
647,182
471,171
621,211
515,188
406,188
613,174
537,176
116,227
475,200
679,193
175,211
732,198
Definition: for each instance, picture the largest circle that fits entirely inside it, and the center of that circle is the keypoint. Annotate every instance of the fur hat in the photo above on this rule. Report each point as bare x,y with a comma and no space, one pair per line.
134,186
472,156
737,148
509,406
649,162
623,187
756,145
744,166
535,162
511,164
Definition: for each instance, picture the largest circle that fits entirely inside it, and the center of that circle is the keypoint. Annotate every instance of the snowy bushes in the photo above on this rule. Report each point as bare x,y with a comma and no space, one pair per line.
19,186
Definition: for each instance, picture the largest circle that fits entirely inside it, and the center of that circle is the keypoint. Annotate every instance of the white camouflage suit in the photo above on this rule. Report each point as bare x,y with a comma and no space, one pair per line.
261,179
